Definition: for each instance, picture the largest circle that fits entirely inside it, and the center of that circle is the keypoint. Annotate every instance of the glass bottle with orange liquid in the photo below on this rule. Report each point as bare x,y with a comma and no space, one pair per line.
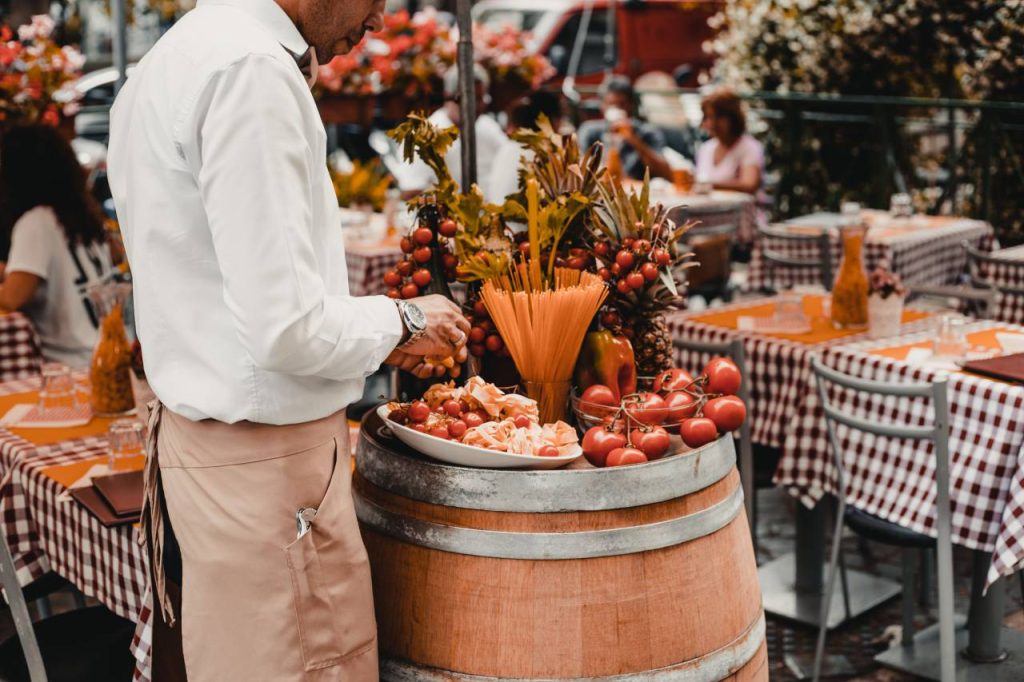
850,292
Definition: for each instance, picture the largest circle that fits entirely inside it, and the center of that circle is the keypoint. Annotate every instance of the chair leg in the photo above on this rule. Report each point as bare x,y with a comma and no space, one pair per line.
844,584
927,589
910,562
830,588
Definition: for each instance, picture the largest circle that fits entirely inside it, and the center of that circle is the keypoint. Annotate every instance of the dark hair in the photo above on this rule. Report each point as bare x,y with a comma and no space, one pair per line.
525,112
619,85
38,167
726,103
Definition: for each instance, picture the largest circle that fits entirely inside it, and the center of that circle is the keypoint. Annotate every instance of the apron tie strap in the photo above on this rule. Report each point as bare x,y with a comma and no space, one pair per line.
153,514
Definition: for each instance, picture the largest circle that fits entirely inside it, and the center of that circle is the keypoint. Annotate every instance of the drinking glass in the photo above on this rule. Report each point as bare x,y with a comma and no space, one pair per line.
58,391
789,308
127,442
900,205
950,338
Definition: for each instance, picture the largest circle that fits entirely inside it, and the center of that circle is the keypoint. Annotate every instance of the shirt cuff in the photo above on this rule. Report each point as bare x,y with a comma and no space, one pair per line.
382,313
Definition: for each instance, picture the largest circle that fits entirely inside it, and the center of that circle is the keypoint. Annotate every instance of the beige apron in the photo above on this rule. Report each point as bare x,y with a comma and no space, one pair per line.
258,602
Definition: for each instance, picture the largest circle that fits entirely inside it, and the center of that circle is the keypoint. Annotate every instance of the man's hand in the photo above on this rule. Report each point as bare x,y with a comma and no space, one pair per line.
421,367
447,330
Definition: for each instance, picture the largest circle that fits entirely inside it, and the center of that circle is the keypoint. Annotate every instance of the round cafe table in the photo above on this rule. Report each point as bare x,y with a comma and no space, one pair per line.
713,209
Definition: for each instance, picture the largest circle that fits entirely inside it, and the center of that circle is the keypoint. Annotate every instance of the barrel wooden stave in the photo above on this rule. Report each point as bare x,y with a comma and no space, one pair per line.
481,616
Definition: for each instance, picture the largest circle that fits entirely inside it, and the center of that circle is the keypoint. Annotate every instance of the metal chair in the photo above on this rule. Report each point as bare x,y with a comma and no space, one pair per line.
977,258
878,529
773,259
977,303
734,350
83,644
712,246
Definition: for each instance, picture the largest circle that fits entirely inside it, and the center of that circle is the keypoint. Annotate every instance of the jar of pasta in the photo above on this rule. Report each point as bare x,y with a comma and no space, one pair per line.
111,370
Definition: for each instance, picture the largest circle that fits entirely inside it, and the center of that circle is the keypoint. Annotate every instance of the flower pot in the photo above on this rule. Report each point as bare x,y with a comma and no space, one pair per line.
884,315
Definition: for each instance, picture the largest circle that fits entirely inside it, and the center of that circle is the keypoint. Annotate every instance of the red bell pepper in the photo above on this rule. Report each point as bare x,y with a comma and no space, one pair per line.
607,359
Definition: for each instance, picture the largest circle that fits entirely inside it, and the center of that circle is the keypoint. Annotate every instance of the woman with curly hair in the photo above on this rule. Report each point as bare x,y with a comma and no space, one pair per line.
58,245
732,159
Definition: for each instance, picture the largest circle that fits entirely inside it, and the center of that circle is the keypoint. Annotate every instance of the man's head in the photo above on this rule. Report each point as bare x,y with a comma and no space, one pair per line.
334,27
617,93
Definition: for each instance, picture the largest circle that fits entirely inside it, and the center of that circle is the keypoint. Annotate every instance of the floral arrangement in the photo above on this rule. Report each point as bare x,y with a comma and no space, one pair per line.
973,49
409,56
884,283
413,52
36,75
366,184
503,52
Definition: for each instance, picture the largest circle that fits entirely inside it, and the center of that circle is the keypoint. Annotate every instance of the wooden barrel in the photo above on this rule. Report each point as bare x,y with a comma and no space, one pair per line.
641,573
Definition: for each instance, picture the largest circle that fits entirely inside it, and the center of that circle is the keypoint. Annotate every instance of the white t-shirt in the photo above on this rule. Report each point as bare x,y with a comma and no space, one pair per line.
504,178
746,152
60,309
489,138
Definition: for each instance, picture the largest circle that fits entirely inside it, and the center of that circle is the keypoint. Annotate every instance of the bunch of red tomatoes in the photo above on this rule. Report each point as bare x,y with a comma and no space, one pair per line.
638,428
411,276
632,267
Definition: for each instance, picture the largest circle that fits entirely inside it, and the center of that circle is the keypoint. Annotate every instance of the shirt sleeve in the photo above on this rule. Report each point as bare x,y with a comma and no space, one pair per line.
32,243
752,153
254,171
653,137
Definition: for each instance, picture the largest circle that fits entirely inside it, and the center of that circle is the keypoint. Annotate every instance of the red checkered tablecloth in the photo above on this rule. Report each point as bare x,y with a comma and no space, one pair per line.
926,252
1009,274
714,209
47,531
20,352
894,479
778,369
367,264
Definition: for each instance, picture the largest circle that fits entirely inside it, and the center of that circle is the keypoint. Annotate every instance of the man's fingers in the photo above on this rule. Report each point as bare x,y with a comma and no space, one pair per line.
461,355
463,324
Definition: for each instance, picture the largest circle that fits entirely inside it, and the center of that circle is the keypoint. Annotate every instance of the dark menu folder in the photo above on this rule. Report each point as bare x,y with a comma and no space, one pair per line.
1006,368
123,492
90,498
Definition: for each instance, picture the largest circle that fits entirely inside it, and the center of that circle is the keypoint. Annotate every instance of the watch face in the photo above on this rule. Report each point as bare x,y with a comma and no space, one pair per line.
416,317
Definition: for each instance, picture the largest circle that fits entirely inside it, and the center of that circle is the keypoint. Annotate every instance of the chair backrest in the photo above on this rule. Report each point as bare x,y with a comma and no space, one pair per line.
976,259
978,303
734,349
19,612
712,247
812,243
938,432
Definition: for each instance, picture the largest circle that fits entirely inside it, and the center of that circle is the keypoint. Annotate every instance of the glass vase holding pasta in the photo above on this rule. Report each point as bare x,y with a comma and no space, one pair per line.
110,372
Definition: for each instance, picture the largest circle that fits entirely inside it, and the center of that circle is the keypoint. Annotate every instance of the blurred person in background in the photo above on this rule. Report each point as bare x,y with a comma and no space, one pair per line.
418,177
642,144
732,159
524,113
58,242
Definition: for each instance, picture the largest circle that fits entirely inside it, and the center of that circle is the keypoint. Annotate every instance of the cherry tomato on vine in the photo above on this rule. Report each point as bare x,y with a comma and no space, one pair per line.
728,412
448,228
698,431
723,376
422,236
623,456
421,277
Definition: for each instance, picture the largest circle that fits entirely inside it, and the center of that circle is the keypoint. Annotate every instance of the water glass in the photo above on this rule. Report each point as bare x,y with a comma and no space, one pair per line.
901,205
58,391
789,308
950,338
127,442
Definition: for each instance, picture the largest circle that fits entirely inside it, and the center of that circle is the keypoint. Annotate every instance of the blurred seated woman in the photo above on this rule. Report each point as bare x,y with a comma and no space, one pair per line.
731,159
58,243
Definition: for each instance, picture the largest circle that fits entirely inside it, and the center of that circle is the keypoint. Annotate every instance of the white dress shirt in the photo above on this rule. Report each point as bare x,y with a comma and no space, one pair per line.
218,169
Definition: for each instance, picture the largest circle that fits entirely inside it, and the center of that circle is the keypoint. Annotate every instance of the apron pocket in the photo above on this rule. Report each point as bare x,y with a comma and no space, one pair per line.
331,579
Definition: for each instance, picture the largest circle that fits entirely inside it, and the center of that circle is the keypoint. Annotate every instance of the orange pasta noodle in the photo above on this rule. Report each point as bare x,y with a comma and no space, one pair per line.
543,325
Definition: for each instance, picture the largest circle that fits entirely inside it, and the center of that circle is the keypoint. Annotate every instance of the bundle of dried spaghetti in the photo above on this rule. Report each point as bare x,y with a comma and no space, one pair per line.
543,324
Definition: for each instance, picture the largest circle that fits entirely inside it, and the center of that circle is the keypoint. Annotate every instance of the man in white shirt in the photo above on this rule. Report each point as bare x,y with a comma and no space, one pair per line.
417,176
253,346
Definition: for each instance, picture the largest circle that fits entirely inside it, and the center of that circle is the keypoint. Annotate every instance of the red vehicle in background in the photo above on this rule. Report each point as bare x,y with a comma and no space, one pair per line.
632,37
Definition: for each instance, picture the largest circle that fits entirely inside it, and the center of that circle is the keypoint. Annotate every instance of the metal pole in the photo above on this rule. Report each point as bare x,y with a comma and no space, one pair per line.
467,94
119,42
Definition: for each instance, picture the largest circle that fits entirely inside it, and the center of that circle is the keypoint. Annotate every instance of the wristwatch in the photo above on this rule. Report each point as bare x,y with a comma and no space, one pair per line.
414,320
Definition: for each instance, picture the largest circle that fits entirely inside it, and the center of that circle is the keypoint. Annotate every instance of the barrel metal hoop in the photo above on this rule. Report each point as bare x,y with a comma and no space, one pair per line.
587,544
711,667
544,491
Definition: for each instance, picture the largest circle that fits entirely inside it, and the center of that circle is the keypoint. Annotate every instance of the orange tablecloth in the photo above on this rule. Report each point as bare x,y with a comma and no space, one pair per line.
97,427
813,305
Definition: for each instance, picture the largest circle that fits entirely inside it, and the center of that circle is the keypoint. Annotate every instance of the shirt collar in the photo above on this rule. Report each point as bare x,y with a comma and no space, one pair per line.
270,14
